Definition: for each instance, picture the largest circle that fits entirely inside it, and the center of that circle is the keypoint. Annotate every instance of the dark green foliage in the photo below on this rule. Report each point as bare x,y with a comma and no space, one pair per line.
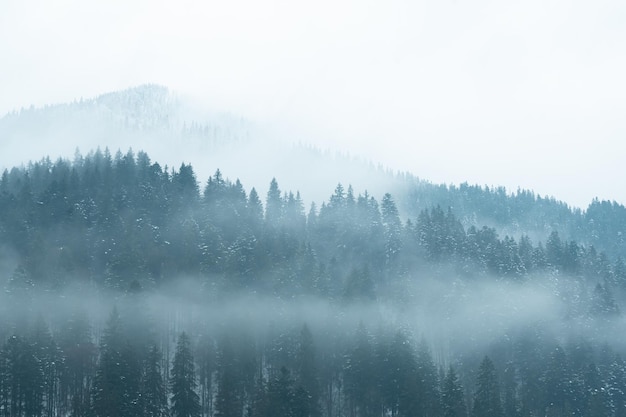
360,375
48,354
21,390
428,392
207,362
487,401
130,382
108,396
185,399
452,396
124,223
558,384
78,366
228,402
307,391
153,395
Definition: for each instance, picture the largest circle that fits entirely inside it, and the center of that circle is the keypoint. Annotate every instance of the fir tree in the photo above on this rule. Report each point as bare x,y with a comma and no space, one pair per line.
185,399
227,401
487,402
452,397
154,399
107,393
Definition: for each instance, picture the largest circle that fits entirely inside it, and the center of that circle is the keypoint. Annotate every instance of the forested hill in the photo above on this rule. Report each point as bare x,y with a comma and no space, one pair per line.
602,224
173,129
122,221
235,302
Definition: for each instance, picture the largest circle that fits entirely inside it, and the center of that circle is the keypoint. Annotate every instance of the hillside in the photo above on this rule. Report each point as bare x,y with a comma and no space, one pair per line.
173,130
348,279
264,296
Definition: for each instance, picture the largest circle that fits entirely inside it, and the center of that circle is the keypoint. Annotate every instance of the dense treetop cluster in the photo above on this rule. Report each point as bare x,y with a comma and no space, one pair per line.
123,226
122,221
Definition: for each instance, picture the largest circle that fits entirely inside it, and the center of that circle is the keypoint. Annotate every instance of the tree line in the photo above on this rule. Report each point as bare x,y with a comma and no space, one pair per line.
122,221
296,371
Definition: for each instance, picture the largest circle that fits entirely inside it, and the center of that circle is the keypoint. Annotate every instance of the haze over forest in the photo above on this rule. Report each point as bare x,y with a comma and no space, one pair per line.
526,94
160,259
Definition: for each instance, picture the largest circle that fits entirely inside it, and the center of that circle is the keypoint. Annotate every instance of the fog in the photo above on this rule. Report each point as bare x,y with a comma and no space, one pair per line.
457,318
523,95
175,129
379,97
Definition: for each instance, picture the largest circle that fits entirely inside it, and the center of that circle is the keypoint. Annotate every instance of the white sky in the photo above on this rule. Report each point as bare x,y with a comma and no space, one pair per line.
528,93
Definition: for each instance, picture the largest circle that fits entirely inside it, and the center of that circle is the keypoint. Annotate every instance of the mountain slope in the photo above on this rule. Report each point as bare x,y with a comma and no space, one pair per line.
153,119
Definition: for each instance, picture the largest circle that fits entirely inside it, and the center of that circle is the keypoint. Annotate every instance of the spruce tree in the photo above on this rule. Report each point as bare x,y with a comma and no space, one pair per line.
359,375
452,397
227,401
306,377
185,399
154,399
107,393
428,395
487,402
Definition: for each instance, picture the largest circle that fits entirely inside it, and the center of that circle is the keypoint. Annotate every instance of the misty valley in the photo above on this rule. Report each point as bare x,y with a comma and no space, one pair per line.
132,289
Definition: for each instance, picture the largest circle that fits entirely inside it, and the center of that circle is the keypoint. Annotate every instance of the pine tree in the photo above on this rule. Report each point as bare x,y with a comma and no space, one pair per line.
359,376
107,393
273,205
22,379
452,397
185,400
306,376
392,228
48,354
77,368
428,394
154,399
206,366
255,210
227,401
557,384
487,402
130,382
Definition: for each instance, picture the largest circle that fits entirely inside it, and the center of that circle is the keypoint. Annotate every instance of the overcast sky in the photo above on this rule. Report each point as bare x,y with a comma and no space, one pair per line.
526,93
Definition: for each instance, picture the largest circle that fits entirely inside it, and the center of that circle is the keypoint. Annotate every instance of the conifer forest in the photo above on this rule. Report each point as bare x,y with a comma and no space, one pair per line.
133,289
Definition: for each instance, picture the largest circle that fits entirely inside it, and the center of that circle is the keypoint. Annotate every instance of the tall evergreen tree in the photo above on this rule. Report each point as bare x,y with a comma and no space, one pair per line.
206,359
130,382
392,227
77,367
558,382
153,396
360,376
185,399
107,392
273,205
306,375
428,392
452,396
228,398
487,402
